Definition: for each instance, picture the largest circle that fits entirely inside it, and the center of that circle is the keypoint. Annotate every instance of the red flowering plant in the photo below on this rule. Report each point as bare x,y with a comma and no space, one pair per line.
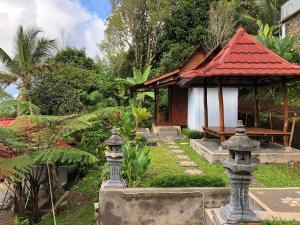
116,120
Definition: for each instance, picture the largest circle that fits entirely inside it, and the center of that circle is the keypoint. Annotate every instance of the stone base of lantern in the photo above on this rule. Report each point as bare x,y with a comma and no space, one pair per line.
113,184
219,219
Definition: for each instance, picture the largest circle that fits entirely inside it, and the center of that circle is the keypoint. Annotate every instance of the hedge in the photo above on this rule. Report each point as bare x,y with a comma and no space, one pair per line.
183,180
192,134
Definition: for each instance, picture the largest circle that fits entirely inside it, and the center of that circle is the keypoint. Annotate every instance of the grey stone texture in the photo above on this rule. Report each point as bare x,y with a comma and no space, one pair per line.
158,206
114,158
239,168
292,27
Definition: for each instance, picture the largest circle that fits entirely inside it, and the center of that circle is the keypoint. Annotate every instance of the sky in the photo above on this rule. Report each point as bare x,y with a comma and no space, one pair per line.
76,23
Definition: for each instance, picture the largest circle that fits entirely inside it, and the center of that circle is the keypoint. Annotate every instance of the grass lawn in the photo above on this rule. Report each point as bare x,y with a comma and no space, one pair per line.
80,208
267,175
162,163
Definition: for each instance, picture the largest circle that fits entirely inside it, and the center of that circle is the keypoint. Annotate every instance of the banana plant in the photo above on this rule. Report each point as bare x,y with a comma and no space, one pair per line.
135,163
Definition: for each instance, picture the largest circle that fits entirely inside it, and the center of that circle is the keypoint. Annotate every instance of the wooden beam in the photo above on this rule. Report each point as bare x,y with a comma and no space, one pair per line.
256,106
221,111
157,119
285,112
205,107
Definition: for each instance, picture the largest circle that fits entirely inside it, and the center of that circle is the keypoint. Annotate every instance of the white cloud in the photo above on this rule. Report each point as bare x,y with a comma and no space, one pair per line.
81,27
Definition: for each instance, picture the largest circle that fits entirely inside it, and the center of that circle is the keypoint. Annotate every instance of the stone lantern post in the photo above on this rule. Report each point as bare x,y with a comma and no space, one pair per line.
114,158
239,169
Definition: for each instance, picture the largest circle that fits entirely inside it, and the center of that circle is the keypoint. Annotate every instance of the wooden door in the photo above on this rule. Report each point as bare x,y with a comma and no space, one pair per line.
179,106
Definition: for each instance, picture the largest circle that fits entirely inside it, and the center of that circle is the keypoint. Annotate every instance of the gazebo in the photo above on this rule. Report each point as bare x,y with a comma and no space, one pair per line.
242,62
177,109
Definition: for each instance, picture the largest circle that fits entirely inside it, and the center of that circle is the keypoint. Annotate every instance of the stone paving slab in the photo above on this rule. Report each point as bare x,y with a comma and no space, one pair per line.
177,152
174,146
279,200
193,172
187,164
182,157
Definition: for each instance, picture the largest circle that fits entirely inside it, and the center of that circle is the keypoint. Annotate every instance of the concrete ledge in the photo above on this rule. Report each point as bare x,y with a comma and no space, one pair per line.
166,131
213,154
158,206
263,215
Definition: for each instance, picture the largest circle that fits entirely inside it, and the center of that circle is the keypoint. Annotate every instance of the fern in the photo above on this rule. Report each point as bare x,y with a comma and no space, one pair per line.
15,169
12,140
62,155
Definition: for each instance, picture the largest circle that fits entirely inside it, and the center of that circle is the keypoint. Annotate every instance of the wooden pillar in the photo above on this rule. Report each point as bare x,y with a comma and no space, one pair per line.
205,107
157,106
256,106
285,112
221,111
170,105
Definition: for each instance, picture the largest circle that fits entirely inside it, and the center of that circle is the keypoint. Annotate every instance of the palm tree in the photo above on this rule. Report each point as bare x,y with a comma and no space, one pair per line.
30,50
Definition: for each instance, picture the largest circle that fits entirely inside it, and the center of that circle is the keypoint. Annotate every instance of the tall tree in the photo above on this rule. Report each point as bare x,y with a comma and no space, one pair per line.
74,57
134,27
222,16
185,27
30,49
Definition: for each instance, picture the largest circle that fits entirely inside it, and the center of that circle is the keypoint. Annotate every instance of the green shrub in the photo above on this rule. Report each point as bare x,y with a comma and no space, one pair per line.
183,180
280,222
192,134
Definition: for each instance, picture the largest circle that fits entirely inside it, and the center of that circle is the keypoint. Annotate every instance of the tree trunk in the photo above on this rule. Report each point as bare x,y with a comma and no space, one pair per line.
19,199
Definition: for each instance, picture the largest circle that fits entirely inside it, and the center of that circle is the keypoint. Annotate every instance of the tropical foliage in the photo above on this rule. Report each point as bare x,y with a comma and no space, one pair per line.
285,47
30,49
140,114
135,164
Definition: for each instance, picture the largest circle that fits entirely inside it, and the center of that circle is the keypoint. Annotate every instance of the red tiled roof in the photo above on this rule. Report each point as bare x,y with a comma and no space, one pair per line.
243,55
6,153
6,122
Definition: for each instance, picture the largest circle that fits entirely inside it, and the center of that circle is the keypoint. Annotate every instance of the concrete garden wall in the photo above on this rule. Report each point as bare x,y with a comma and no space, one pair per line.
158,206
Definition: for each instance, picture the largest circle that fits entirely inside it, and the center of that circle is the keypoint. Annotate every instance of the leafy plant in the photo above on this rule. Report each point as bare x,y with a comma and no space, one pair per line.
135,164
281,46
140,114
139,77
192,134
127,124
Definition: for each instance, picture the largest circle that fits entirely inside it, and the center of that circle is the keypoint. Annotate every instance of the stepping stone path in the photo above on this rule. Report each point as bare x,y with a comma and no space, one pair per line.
187,164
183,159
178,152
194,172
173,146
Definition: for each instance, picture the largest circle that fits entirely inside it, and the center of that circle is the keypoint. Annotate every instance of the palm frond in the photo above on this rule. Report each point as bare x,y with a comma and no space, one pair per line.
43,48
8,62
7,79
